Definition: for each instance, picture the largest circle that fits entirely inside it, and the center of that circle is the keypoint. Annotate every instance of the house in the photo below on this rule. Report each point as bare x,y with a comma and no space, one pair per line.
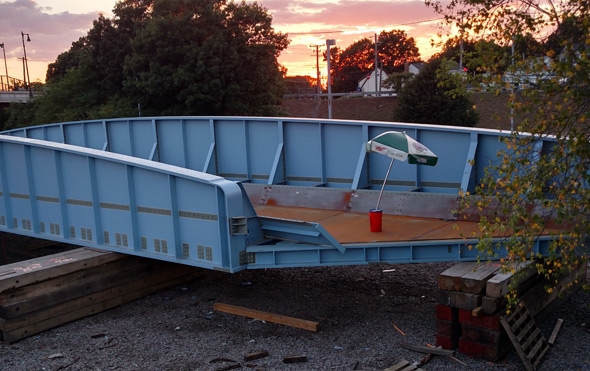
367,83
414,68
531,74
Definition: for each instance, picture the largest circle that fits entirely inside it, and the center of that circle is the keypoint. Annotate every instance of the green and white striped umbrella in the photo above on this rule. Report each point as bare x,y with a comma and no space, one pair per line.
400,146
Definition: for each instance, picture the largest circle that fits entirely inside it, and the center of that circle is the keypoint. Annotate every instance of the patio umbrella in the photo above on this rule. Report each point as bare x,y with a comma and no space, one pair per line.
400,146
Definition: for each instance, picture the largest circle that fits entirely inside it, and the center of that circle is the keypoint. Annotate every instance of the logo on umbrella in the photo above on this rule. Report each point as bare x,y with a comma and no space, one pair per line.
418,147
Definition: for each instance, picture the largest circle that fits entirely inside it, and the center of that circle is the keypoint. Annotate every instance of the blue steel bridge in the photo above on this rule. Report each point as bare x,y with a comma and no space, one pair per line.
234,193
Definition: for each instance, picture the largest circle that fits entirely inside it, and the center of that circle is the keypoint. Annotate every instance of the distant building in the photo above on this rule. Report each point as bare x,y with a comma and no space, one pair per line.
414,67
367,83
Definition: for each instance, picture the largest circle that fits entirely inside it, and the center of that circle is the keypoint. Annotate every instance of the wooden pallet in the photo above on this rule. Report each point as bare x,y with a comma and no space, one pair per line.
526,337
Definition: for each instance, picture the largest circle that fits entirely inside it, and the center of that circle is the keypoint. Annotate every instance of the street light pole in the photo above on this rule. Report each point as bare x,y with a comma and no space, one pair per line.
329,44
6,68
26,63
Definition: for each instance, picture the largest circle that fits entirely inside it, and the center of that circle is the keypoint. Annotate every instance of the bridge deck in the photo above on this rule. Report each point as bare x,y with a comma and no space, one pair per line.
353,227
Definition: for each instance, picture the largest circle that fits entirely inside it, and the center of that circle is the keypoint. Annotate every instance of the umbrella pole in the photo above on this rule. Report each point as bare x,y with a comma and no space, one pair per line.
385,181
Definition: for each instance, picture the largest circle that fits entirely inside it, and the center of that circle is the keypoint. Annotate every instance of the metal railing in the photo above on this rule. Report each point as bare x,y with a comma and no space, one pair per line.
8,83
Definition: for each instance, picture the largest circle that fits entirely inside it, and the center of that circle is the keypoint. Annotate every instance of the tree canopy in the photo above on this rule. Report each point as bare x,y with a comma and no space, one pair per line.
537,187
426,99
350,65
168,57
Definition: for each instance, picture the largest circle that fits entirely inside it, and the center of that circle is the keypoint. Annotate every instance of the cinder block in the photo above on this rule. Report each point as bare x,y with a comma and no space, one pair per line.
490,322
463,300
443,297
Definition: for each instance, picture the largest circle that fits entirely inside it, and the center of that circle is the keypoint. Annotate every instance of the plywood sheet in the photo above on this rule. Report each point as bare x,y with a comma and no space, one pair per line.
353,227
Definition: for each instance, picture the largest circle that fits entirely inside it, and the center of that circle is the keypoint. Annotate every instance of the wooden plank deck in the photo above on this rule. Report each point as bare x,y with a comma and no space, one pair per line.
353,227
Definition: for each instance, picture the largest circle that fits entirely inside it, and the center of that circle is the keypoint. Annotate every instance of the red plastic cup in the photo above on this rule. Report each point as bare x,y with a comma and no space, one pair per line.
376,219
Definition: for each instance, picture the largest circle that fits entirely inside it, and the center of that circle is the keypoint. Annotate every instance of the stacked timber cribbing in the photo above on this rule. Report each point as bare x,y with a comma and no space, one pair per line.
472,301
49,291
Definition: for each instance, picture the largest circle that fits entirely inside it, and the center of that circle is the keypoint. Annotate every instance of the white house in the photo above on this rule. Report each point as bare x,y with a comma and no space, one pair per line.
414,68
367,83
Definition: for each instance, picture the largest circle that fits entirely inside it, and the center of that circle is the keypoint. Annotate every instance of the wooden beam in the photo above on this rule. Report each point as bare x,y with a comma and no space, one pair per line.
475,282
423,349
266,316
450,280
555,331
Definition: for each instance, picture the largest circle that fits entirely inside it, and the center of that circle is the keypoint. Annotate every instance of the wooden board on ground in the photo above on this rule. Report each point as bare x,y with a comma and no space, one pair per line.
266,316
450,279
403,365
427,350
555,331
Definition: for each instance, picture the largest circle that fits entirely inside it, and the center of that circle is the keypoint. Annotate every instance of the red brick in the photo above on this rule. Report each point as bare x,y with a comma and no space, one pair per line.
444,327
444,312
483,336
489,322
478,350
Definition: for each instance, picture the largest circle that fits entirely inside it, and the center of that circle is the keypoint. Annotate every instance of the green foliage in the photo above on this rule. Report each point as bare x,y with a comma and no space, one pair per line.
168,57
434,97
355,62
396,81
535,189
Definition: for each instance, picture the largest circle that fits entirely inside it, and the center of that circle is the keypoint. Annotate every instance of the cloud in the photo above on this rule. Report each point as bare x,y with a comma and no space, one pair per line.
51,34
348,13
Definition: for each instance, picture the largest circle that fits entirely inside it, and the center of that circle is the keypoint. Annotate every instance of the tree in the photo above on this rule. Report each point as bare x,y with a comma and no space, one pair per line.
536,188
169,57
428,99
205,57
300,84
350,65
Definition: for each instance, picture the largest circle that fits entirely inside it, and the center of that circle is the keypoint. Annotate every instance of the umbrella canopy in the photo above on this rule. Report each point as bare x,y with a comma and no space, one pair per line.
400,146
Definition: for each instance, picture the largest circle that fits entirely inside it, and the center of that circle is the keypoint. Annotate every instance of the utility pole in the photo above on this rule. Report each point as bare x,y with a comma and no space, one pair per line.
376,63
461,47
6,68
329,44
317,65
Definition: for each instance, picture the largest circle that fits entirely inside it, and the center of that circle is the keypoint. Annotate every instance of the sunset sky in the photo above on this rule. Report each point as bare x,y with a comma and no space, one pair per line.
54,24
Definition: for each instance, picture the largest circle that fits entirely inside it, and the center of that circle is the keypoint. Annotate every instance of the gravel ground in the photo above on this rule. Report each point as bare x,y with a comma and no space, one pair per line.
178,329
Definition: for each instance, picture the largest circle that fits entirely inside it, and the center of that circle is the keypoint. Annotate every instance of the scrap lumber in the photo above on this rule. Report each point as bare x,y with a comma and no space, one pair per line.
255,355
403,365
427,350
295,359
266,316
555,331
